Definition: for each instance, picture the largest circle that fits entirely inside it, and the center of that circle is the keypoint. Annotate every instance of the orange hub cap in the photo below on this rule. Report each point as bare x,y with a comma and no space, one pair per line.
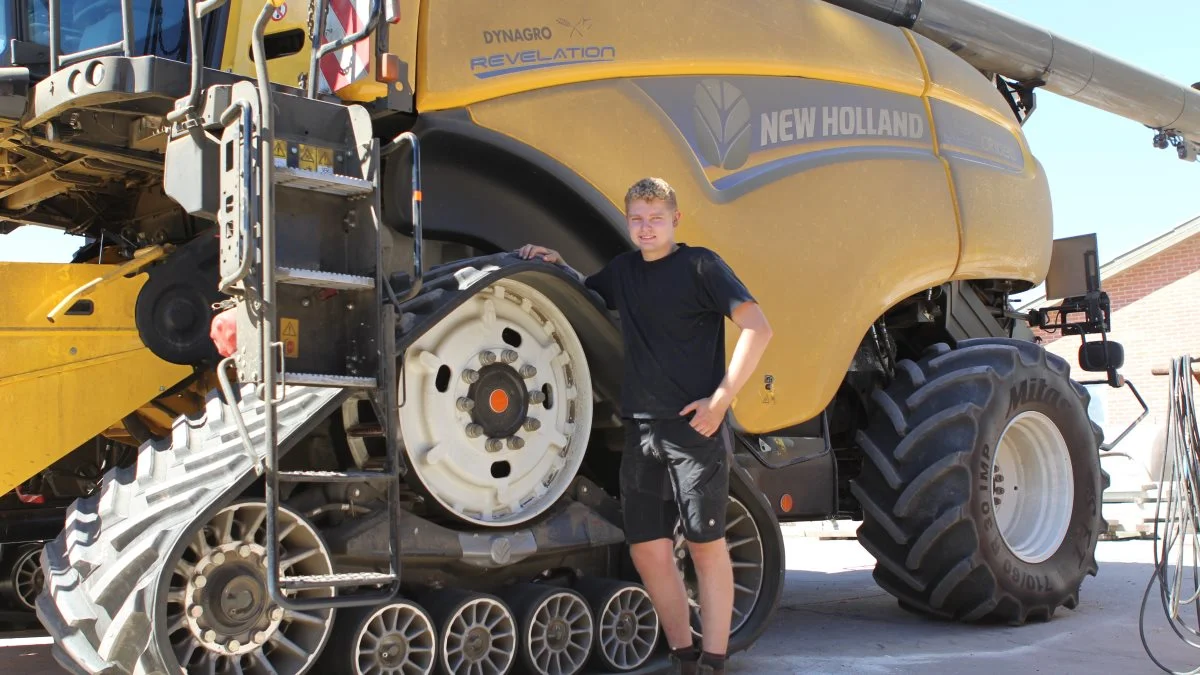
498,401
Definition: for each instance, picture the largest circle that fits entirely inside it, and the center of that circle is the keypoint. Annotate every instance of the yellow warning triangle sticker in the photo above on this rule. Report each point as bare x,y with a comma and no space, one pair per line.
290,328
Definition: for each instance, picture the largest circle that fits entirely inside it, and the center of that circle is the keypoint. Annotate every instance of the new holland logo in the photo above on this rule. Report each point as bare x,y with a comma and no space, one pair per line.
722,119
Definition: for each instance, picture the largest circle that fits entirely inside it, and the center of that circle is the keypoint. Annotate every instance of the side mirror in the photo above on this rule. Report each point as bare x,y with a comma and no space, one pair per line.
1101,356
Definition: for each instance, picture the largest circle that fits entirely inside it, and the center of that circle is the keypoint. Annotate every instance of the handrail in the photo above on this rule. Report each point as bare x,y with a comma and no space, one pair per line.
196,12
410,138
124,46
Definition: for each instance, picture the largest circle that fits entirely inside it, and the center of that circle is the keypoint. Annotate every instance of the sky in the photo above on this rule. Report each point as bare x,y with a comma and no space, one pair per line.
1105,176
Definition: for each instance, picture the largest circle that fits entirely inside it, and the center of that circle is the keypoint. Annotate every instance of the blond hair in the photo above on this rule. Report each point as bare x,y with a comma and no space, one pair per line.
650,189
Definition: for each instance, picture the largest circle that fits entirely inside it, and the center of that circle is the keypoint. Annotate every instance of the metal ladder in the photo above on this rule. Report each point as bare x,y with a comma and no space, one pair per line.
315,307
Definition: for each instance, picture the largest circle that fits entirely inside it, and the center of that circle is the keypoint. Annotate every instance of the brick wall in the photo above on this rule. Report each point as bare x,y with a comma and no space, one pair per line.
1156,308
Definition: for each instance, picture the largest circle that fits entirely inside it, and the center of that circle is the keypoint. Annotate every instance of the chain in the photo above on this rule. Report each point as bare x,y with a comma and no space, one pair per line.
302,79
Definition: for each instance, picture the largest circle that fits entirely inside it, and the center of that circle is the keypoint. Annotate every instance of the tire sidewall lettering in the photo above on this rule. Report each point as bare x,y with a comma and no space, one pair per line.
1038,390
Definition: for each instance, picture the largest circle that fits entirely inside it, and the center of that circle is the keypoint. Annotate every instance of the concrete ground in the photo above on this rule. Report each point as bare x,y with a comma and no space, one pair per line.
833,619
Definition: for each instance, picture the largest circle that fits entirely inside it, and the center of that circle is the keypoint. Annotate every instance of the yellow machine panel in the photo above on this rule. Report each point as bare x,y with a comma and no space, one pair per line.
795,152
67,380
475,51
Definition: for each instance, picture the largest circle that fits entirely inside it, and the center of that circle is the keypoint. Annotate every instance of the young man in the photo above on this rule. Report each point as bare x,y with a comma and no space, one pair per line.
673,300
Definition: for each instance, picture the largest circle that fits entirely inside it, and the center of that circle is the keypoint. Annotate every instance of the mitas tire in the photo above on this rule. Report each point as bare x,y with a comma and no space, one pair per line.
927,488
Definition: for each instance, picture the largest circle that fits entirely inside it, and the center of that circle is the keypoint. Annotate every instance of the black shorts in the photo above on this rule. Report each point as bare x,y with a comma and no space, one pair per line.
672,473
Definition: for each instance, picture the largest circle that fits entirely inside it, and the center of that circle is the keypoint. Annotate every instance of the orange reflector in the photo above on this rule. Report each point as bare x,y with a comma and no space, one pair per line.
498,401
416,195
387,69
785,503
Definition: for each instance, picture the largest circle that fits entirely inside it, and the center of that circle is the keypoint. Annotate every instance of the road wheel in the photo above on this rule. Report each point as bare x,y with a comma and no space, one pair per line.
982,482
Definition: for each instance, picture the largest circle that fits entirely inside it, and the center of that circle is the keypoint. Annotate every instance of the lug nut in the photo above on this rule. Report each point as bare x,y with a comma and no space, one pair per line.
532,424
470,376
201,582
233,645
218,558
527,371
494,445
277,614
260,638
210,636
516,443
509,356
196,612
244,550
474,430
537,397
487,358
465,404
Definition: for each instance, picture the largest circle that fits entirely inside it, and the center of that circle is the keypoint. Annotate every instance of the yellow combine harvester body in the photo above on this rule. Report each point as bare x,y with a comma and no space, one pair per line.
795,151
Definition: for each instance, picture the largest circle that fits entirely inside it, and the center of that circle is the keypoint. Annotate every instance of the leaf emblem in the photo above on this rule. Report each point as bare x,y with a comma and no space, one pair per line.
722,119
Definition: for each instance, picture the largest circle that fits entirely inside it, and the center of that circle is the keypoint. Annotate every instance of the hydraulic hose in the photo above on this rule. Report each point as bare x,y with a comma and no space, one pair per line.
1177,531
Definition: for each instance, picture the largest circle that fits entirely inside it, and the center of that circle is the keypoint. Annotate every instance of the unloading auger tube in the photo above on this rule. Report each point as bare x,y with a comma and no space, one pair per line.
1032,57
164,565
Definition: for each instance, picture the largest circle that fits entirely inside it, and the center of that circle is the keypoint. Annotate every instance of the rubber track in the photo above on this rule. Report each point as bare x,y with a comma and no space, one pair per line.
103,571
916,518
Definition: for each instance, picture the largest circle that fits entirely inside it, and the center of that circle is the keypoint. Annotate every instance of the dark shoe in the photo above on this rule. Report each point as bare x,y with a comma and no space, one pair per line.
683,666
711,665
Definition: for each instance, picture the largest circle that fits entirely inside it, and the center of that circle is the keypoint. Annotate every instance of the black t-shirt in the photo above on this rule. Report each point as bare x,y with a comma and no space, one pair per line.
673,314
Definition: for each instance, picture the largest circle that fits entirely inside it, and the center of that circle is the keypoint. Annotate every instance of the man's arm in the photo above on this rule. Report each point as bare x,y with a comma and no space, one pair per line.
751,344
551,256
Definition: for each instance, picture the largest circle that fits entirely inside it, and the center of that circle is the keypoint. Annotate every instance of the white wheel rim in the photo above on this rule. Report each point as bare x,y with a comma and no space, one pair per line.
628,628
560,635
511,485
396,639
27,577
744,543
1033,487
229,555
480,639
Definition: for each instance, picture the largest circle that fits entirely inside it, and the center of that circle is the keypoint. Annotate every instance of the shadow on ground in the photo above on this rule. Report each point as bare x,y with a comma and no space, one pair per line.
834,619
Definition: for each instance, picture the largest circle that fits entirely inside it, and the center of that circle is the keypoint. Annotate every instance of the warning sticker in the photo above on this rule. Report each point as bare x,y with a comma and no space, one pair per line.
289,331
308,158
324,160
279,149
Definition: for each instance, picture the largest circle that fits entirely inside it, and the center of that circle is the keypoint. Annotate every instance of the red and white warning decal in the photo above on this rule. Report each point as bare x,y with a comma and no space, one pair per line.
348,64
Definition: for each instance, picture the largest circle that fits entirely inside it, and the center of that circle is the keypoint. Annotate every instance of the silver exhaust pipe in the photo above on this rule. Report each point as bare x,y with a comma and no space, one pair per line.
995,42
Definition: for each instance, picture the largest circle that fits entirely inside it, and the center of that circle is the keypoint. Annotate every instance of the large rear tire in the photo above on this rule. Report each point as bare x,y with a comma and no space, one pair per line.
981,486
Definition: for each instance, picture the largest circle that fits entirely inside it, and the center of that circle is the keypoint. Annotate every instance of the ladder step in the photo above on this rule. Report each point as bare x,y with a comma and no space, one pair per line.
323,279
335,580
321,380
329,183
331,476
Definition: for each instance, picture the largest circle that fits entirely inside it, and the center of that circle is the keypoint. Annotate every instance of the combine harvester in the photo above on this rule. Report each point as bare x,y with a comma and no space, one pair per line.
340,496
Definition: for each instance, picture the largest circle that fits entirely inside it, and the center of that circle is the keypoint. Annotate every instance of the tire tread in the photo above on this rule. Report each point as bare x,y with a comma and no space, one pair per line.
916,519
102,573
